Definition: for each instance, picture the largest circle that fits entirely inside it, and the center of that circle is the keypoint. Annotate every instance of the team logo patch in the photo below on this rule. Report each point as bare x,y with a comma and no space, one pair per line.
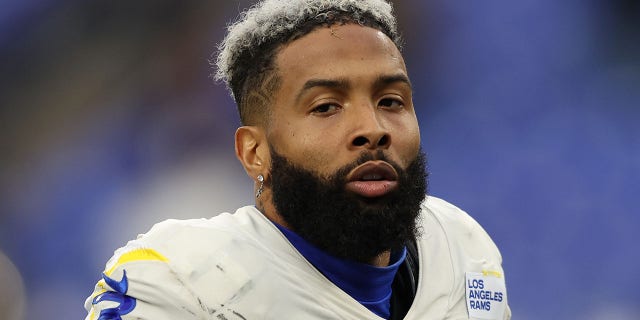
126,303
486,295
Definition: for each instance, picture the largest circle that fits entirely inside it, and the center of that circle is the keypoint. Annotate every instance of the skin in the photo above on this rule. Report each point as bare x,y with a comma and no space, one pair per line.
344,90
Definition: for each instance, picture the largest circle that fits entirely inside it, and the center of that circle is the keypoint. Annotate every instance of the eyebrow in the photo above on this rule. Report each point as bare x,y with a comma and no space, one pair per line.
385,80
342,83
325,83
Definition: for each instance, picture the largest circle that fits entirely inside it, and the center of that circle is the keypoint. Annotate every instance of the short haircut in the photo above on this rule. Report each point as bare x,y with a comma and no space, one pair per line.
246,57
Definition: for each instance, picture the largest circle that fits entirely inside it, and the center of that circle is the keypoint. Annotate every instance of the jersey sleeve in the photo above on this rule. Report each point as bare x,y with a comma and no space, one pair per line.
139,283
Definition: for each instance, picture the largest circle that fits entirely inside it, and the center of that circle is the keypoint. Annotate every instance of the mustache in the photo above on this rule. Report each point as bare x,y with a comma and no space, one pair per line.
364,157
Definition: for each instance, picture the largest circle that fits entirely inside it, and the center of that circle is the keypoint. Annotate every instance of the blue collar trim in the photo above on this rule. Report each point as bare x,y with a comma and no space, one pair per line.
369,285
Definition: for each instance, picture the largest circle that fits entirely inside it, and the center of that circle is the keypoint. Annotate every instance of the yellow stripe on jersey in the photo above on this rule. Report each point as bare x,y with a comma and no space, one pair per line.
141,254
491,273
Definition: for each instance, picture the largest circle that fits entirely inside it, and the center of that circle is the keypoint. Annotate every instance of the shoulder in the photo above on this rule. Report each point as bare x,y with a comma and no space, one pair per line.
462,231
447,213
451,246
195,228
180,248
183,242
169,270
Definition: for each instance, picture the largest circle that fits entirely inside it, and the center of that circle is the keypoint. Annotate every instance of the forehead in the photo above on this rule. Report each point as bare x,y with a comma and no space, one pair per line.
348,51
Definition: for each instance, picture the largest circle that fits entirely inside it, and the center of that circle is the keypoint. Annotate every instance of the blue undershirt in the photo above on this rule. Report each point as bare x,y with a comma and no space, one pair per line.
369,285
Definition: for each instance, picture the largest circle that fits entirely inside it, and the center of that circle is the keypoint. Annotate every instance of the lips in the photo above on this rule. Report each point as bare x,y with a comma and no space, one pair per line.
372,179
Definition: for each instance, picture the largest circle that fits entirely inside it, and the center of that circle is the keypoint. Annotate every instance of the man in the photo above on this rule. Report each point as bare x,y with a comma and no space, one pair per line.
341,228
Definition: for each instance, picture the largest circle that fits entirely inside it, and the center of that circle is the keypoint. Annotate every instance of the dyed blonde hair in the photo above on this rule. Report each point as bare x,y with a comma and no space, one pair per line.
245,60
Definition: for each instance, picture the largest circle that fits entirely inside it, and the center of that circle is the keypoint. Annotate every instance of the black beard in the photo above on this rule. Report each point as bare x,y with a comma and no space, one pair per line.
340,222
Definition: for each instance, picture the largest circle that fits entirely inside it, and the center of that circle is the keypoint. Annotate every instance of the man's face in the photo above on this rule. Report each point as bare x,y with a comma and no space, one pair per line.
346,173
344,90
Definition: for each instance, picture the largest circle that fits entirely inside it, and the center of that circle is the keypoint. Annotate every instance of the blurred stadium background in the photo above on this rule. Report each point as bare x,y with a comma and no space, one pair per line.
529,113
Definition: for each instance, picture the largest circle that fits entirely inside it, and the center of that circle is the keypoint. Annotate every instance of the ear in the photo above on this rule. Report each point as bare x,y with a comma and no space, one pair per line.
252,150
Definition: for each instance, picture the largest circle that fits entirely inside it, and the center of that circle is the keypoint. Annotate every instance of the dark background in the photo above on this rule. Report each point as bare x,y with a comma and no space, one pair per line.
529,110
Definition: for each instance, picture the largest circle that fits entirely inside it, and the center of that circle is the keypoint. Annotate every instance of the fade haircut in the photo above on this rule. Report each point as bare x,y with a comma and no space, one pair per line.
246,57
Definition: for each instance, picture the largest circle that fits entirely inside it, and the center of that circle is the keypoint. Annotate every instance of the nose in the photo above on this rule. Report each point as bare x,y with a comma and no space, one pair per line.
370,133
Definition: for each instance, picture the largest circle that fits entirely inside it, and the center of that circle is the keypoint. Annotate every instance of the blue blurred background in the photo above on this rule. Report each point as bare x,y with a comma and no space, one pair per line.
529,110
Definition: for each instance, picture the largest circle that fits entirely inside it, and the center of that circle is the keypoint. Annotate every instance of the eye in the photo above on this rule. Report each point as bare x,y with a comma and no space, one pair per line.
391,103
325,109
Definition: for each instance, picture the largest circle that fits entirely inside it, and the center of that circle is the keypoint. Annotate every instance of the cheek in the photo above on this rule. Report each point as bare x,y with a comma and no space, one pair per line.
318,149
414,136
407,140
304,146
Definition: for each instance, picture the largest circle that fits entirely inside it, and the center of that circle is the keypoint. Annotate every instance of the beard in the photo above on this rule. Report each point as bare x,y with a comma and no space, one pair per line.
342,223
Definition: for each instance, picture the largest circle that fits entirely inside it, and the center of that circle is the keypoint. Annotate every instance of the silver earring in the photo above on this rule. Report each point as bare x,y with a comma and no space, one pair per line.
261,179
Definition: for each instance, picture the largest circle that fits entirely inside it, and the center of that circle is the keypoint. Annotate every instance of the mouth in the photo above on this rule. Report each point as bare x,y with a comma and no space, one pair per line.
372,179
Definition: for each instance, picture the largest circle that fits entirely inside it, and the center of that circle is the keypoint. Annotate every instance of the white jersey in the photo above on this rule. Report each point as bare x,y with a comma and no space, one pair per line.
240,266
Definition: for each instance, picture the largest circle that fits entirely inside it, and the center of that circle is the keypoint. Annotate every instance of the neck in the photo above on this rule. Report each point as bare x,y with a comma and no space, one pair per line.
381,260
265,205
